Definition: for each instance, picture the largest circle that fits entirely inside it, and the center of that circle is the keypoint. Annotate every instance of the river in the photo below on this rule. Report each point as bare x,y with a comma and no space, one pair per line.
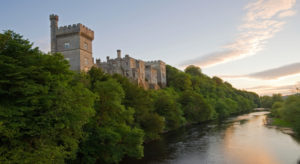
238,140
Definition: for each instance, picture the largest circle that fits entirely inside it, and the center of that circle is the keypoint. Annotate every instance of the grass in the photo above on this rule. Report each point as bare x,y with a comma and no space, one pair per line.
281,123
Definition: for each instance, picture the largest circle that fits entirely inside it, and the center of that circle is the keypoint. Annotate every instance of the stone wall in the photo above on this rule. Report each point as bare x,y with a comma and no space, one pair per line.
145,74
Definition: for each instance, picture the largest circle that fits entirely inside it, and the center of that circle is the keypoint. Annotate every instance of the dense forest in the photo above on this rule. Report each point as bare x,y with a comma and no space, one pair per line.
49,114
285,112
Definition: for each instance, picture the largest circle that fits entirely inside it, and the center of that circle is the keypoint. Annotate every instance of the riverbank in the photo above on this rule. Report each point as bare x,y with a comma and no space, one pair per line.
239,139
283,126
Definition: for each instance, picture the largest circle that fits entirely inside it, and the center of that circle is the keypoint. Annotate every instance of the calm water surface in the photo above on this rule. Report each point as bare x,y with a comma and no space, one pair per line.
239,140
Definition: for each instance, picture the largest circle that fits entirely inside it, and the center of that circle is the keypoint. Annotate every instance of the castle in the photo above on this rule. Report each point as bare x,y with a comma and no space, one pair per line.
75,43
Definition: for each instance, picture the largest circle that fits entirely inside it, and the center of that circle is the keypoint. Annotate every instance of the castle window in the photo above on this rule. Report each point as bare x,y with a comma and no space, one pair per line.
67,59
85,46
67,45
86,61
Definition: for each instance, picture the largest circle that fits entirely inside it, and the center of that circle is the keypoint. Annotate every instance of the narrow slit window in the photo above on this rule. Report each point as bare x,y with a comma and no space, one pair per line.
85,46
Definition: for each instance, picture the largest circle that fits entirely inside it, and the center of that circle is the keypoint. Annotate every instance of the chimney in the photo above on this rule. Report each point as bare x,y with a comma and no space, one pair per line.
119,54
98,61
107,58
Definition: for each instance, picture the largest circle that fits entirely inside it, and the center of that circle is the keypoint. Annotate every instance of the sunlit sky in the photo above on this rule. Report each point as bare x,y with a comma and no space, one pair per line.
253,44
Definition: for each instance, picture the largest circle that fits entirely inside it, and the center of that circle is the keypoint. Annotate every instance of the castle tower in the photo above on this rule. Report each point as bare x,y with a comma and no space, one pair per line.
74,42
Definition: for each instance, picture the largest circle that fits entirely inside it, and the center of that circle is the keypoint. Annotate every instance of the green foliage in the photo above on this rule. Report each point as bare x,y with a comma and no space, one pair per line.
109,134
180,81
288,112
195,107
277,98
281,123
42,110
291,111
145,116
267,101
276,109
225,107
193,70
166,105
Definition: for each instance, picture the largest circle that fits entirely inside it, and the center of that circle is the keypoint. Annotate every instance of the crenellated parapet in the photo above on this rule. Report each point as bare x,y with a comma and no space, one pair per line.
53,17
155,62
76,28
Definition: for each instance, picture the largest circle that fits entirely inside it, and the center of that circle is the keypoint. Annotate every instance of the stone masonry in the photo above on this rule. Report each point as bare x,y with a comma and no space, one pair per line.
75,43
146,74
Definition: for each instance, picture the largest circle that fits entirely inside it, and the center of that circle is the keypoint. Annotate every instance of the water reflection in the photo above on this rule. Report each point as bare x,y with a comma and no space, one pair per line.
239,140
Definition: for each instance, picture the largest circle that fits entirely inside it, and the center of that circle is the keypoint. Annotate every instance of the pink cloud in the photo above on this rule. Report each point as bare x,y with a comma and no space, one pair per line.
271,74
264,18
287,14
269,90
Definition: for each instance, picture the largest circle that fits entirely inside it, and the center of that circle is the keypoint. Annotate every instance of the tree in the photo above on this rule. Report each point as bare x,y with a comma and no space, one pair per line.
109,134
291,111
42,108
166,105
141,101
195,107
193,70
266,101
276,109
277,98
225,107
178,79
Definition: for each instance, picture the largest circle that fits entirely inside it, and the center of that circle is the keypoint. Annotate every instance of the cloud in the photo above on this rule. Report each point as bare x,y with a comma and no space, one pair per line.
269,90
264,18
287,14
271,74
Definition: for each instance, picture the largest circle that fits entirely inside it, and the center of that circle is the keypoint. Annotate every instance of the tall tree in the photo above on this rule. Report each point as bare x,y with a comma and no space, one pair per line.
42,110
109,134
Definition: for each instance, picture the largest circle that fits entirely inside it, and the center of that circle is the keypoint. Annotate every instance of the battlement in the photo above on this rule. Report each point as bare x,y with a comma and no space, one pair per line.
76,28
155,62
53,17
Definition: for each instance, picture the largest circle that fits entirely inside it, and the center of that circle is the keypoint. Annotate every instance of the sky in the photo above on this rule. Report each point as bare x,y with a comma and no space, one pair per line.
253,44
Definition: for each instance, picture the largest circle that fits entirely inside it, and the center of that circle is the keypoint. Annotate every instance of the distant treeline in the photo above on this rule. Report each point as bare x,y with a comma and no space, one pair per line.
49,114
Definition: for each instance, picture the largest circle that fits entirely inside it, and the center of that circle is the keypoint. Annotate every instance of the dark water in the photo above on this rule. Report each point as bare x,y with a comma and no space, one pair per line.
239,140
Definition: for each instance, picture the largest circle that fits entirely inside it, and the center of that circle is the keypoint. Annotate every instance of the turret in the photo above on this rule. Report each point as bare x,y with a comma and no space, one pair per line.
119,54
53,28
